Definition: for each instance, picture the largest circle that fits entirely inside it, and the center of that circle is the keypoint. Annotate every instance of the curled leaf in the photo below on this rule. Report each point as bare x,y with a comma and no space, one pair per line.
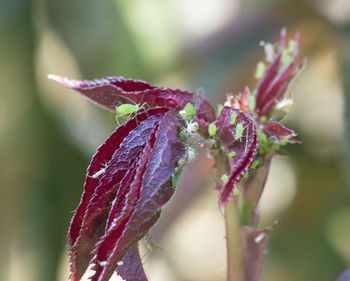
138,205
237,139
112,170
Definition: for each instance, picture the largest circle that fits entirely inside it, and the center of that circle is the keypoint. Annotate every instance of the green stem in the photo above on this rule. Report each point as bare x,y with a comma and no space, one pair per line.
235,271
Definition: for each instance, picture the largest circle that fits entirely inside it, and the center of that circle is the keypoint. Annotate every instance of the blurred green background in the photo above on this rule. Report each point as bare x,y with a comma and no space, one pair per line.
48,133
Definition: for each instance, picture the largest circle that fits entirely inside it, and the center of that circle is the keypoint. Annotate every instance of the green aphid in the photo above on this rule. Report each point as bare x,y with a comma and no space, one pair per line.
255,164
220,107
263,119
190,110
261,137
260,70
251,102
212,129
286,58
284,141
233,118
127,108
182,135
174,180
239,131
175,176
124,111
224,178
291,45
232,154
236,191
246,175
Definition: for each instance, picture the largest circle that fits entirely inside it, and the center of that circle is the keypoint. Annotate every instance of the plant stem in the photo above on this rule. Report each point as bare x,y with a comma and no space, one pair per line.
235,271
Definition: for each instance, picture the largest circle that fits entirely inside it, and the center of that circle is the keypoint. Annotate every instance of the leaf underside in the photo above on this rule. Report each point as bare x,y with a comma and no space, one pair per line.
128,194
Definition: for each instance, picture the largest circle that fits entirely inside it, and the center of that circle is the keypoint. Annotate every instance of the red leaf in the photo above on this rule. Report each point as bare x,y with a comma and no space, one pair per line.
275,81
278,130
271,71
132,268
112,91
89,219
133,213
205,113
244,147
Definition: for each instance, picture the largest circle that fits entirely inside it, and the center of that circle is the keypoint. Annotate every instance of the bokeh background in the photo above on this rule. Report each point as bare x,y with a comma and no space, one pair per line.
48,133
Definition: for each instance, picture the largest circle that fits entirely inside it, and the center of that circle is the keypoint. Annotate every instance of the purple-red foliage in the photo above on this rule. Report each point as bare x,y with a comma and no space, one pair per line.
129,178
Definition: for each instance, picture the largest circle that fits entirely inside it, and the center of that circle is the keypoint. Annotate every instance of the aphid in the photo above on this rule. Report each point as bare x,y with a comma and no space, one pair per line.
212,129
127,109
260,70
239,131
233,118
236,191
255,164
188,111
177,174
263,119
224,178
251,102
284,140
286,59
182,135
149,246
220,108
291,45
232,154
